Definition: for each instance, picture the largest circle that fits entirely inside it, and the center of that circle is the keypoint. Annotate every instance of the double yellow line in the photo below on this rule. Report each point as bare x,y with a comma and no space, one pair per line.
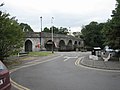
77,62
18,86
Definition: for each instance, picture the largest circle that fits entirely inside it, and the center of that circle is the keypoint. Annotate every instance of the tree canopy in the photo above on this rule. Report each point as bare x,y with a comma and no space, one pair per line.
103,34
92,34
77,34
11,35
111,29
56,30
26,27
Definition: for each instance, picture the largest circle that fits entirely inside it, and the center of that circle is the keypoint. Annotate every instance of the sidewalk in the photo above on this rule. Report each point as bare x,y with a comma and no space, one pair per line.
100,64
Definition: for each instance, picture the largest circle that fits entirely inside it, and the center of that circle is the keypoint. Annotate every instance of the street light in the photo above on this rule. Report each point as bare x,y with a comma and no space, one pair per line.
41,32
69,30
52,34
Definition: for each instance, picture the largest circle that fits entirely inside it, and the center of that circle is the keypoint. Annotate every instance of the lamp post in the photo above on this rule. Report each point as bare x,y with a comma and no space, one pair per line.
52,34
41,32
69,31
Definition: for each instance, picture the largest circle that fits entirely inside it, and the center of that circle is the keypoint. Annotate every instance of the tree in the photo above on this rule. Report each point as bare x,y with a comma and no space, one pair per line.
11,36
26,27
46,30
56,30
116,26
111,30
63,31
92,34
77,34
107,33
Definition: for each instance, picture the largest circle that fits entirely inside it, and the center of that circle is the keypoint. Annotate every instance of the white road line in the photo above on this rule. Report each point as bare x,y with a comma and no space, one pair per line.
67,58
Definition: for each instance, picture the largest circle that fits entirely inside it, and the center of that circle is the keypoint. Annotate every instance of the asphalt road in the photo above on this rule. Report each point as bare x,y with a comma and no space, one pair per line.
61,73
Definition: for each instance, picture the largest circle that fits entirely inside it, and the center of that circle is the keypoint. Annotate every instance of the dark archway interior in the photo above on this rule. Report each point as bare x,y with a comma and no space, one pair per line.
75,45
62,46
28,46
48,45
69,46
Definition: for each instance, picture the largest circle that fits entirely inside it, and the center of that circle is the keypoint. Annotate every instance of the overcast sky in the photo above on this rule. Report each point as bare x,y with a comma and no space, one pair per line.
66,13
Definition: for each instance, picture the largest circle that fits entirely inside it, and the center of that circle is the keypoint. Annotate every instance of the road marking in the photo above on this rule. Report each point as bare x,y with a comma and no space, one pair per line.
79,60
67,57
20,87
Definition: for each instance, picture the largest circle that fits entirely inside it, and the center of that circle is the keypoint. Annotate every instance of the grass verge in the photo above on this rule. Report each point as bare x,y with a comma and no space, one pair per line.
39,53
12,63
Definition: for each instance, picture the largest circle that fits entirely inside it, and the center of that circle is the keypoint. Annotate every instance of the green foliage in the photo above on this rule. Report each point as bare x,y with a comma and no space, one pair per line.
111,30
92,34
56,30
26,27
63,31
11,35
107,33
78,35
46,30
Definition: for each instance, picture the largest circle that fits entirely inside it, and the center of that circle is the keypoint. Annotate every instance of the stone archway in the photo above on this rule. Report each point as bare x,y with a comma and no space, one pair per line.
48,45
75,45
28,46
62,46
69,46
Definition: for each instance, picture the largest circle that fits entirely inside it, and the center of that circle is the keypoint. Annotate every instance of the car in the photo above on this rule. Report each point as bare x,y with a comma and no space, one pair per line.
4,77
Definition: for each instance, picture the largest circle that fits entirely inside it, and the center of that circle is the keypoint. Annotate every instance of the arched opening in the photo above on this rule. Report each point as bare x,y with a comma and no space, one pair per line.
48,45
79,43
62,46
28,46
75,45
69,46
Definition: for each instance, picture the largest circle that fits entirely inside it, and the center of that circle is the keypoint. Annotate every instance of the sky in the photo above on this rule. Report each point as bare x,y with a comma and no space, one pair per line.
71,14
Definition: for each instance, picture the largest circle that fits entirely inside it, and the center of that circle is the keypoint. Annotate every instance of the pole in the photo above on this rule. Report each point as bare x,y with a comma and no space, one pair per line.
52,35
69,30
41,32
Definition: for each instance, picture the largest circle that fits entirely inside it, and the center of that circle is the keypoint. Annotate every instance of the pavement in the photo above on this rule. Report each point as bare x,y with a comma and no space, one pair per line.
100,64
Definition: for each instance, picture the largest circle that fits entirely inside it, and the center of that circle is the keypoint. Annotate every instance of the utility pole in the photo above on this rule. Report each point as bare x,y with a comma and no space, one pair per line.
52,35
41,32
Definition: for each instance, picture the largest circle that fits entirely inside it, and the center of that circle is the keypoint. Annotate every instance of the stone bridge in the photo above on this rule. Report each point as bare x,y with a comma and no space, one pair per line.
35,41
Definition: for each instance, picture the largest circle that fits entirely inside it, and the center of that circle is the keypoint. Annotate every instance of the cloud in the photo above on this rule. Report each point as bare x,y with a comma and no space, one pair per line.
66,13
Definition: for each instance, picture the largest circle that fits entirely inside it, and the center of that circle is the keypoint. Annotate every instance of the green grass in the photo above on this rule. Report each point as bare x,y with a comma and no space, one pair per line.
39,53
12,63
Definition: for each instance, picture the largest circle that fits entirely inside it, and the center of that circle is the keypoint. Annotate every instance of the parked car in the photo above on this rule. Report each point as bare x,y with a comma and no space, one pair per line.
4,77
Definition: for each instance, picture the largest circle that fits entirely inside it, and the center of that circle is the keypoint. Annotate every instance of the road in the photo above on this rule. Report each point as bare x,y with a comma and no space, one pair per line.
61,73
